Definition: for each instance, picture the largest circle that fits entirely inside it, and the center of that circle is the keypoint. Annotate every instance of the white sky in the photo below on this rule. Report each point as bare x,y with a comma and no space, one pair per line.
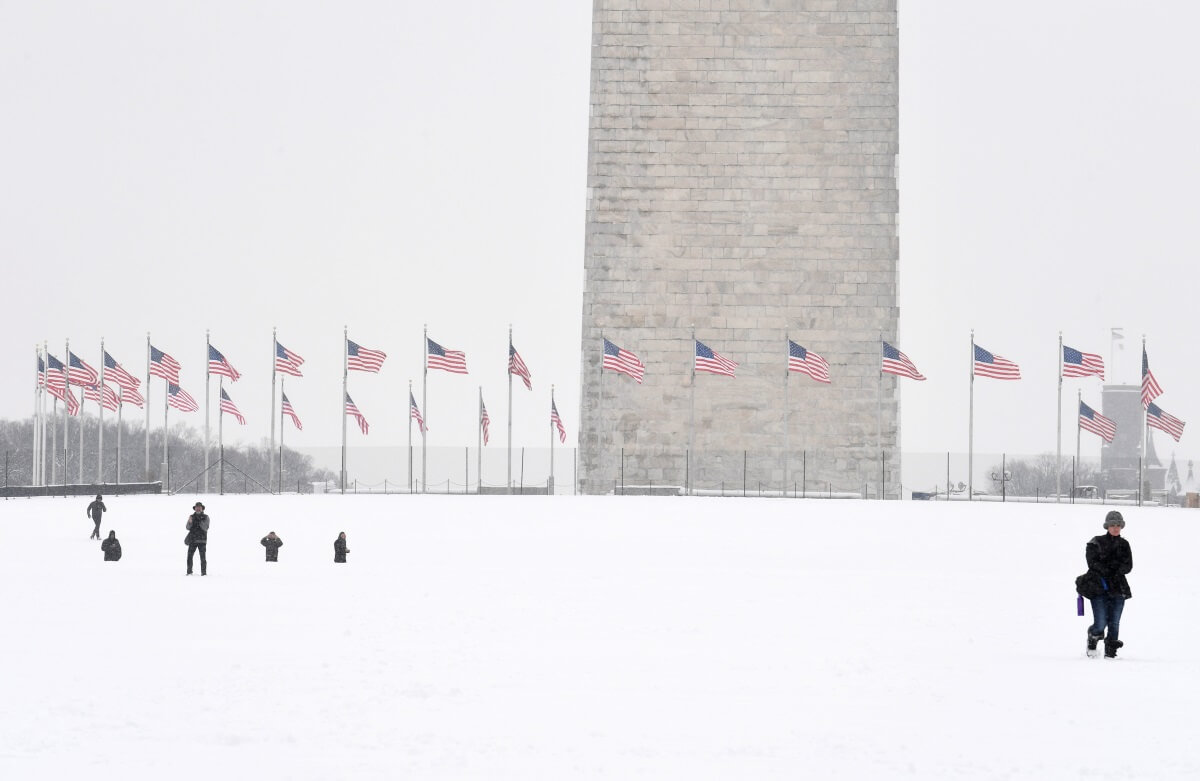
176,167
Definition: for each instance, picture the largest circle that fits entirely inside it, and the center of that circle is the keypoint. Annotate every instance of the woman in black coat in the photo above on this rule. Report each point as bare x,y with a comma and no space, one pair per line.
111,547
339,549
1109,560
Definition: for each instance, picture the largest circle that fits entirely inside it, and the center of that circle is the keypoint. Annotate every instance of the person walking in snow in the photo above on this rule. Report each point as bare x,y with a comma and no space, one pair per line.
197,537
339,549
1109,560
95,511
111,547
272,544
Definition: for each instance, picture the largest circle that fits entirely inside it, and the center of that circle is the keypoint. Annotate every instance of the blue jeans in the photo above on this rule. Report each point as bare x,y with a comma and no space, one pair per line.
1107,613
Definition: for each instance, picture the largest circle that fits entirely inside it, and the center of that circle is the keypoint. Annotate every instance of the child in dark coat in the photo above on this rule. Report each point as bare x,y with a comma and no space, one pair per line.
111,547
272,544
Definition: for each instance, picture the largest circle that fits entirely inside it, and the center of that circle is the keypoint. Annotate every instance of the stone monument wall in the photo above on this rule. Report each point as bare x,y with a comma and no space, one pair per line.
742,183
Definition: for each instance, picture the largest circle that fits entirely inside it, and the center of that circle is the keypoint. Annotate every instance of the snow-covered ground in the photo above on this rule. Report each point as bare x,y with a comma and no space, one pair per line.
590,637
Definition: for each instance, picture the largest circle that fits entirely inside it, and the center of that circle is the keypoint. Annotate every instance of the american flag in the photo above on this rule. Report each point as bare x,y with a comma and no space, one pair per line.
708,360
180,399
41,371
1093,421
361,359
1156,418
108,398
131,396
78,372
991,365
286,361
218,365
56,374
353,410
1150,387
114,372
414,412
484,420
227,405
287,409
517,366
557,421
622,361
163,365
1080,364
438,357
66,395
896,362
806,362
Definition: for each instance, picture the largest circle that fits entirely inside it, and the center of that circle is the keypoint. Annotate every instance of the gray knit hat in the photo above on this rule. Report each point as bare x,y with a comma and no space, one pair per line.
1114,519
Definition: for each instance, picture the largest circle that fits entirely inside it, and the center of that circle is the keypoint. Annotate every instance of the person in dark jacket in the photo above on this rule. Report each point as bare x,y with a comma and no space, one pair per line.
339,549
111,547
272,544
95,511
197,537
1109,560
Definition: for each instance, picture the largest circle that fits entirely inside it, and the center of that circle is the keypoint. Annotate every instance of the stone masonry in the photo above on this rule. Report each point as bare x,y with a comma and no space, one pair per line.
742,182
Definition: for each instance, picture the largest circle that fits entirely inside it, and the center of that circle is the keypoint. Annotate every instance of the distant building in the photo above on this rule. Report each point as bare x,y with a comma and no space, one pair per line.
1120,460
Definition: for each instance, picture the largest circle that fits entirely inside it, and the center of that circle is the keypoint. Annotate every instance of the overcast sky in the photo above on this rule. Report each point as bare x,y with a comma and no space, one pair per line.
179,167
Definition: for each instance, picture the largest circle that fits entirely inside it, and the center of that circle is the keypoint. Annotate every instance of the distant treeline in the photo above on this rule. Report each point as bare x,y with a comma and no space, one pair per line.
245,465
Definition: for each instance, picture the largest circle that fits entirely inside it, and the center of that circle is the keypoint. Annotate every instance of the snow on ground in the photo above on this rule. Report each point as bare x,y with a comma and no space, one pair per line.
590,637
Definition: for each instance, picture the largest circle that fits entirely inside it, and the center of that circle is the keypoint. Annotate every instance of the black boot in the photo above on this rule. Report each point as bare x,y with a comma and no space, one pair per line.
1110,648
1092,642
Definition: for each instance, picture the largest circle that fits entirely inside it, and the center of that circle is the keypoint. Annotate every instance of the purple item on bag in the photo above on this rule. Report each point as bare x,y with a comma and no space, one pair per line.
1079,605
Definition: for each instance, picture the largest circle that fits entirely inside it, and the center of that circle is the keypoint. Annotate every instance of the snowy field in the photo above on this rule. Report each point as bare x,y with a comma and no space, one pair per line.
590,637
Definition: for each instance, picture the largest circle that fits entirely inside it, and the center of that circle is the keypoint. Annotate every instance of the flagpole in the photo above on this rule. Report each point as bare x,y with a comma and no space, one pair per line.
1145,424
551,441
1058,457
1078,427
692,417
971,428
879,425
207,402
278,490
600,418
100,443
166,465
479,441
148,394
345,395
787,377
37,389
424,401
221,435
81,400
45,423
410,469
67,411
120,411
274,355
510,352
